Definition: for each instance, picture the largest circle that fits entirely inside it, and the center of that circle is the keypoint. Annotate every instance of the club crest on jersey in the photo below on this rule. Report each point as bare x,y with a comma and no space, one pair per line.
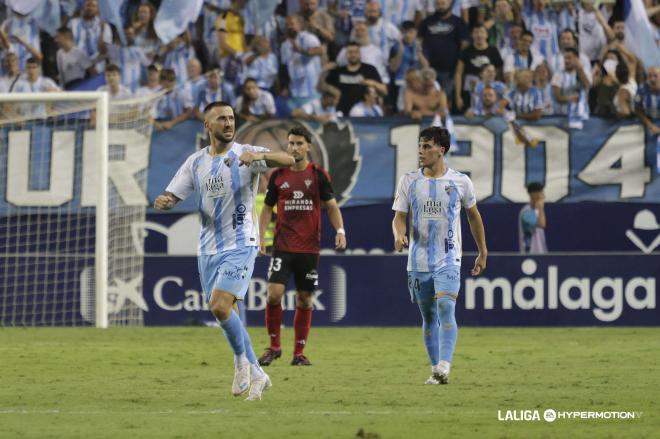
448,189
215,187
308,183
285,185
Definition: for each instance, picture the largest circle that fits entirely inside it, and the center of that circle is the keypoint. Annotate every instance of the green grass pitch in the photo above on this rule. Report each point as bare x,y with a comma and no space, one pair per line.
175,383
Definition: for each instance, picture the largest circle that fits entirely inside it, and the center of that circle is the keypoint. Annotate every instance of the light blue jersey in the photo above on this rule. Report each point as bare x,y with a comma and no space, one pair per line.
434,212
304,70
225,197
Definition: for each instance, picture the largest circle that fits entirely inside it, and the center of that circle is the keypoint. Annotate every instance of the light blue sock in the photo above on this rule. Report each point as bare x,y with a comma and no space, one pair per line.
247,344
448,328
233,329
430,329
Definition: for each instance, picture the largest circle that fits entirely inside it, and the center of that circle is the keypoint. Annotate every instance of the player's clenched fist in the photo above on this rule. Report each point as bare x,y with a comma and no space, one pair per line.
165,201
400,242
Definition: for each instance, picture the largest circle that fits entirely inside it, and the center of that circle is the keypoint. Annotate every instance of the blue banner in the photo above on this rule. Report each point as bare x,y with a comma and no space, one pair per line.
605,161
579,290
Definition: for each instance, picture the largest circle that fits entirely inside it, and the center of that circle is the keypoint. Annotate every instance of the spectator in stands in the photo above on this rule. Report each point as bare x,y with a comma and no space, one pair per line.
514,39
21,36
301,53
130,59
532,222
209,37
347,81
625,95
540,21
12,82
397,11
590,30
175,106
647,101
500,25
254,104
35,81
145,34
488,105
212,92
196,81
382,33
176,54
521,58
443,35
407,55
487,78
152,85
317,22
604,88
114,87
261,63
73,64
471,60
344,12
568,40
368,106
542,83
570,87
230,28
321,110
369,52
90,33
525,99
422,98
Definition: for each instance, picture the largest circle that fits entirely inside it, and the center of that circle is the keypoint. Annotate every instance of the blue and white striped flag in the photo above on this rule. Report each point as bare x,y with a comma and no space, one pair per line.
640,37
110,11
46,12
264,10
174,16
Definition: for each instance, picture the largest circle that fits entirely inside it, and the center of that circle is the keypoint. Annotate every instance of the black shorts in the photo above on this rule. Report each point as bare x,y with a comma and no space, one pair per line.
303,266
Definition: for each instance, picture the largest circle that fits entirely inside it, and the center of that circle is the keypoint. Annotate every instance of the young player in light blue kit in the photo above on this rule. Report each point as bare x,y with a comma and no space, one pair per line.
225,177
433,196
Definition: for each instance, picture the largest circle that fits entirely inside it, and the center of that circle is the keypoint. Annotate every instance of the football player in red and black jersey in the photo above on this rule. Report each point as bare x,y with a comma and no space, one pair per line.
299,192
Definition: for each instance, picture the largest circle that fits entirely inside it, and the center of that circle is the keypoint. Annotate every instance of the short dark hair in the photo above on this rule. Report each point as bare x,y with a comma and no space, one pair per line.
215,104
112,68
352,43
439,136
572,50
65,31
534,187
526,32
167,75
33,60
407,25
249,80
300,130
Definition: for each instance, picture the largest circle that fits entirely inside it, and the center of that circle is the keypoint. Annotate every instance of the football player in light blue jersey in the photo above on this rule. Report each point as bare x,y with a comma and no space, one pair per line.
224,176
433,196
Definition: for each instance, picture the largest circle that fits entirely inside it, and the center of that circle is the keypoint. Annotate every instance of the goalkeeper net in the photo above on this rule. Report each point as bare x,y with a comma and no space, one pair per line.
73,178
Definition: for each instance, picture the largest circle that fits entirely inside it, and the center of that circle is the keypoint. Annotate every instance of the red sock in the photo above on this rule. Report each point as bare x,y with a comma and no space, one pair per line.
302,321
273,324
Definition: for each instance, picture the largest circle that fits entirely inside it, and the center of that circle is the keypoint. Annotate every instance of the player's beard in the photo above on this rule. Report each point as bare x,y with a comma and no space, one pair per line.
222,136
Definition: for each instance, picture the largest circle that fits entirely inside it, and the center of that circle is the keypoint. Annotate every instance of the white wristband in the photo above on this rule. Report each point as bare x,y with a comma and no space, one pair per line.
341,232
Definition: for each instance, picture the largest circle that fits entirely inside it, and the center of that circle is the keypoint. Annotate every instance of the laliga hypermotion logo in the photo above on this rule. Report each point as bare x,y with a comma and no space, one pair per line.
334,147
644,221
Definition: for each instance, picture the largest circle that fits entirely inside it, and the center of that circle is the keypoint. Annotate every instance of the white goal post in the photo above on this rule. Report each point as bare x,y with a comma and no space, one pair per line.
63,225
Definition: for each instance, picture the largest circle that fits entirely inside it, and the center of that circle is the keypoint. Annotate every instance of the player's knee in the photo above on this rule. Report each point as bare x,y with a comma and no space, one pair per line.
304,300
220,311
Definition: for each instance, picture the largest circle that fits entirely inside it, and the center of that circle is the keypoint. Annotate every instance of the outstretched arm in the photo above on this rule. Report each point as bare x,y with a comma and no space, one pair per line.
399,230
479,235
279,159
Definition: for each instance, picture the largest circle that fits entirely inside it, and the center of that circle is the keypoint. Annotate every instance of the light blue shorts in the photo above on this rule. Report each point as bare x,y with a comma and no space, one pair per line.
228,271
424,285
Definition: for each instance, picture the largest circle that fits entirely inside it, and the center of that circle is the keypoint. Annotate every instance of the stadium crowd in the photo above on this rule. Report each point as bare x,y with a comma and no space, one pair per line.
325,59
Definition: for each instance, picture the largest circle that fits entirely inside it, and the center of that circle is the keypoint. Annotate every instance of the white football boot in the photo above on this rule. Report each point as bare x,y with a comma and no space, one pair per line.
241,382
258,386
